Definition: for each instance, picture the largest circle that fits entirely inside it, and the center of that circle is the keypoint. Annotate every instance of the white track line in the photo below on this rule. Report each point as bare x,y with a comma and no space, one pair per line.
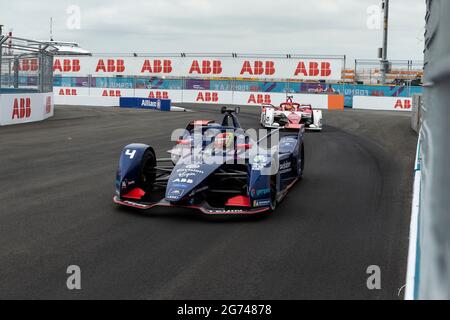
411,275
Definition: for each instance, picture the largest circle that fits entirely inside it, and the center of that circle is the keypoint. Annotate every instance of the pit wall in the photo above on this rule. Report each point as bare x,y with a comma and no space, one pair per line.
18,108
110,97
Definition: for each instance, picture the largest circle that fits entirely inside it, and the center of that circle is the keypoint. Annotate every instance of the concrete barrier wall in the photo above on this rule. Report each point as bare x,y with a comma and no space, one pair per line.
434,218
110,97
382,103
17,108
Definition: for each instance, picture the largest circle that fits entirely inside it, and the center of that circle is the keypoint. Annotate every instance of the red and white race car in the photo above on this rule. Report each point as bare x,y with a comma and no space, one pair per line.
291,115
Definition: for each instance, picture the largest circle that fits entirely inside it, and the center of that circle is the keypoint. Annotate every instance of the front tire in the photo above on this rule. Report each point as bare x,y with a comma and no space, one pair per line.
147,170
273,194
300,165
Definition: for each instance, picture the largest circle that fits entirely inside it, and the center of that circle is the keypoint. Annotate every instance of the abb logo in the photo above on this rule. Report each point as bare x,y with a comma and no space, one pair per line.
66,65
28,65
111,93
207,97
406,104
157,66
260,99
314,69
111,65
158,95
21,108
68,92
258,68
206,67
48,105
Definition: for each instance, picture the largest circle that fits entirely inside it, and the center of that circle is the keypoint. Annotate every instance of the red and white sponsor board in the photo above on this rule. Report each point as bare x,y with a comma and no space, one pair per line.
318,101
97,101
202,67
103,92
70,91
24,108
173,95
110,97
382,103
207,97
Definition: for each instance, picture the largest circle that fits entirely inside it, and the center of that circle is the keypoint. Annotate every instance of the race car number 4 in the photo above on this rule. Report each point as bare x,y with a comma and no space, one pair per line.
130,153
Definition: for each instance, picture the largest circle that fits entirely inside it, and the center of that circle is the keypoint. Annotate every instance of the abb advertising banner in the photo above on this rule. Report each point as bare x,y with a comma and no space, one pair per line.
318,101
203,67
174,95
23,108
207,97
382,103
111,97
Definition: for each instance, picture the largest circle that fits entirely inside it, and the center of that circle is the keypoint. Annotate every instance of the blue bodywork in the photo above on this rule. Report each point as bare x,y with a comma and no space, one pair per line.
244,179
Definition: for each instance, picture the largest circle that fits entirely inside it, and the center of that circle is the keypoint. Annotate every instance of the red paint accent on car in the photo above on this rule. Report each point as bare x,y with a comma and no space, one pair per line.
293,126
184,142
202,122
136,194
238,201
294,118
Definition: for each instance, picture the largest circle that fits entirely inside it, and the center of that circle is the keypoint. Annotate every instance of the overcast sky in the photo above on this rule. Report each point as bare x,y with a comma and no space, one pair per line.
335,27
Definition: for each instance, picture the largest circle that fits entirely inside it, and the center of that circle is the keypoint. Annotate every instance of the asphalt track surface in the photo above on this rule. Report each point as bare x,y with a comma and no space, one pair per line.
351,211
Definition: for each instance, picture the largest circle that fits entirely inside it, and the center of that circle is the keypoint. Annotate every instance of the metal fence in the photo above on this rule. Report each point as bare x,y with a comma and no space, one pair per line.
400,72
25,65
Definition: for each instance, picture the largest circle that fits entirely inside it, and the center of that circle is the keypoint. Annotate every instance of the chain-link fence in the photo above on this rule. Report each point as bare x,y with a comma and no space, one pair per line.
25,65
400,72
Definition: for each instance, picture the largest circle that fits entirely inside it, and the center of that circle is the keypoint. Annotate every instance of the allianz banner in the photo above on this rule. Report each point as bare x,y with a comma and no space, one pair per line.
145,103
203,67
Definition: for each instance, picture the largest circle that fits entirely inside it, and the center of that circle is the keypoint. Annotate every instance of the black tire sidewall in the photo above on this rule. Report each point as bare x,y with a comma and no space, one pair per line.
149,158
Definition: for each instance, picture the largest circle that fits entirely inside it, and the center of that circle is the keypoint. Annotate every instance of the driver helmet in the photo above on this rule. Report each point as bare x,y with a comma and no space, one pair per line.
224,141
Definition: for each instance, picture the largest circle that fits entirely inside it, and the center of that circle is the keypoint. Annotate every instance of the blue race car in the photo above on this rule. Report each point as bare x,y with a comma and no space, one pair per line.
217,169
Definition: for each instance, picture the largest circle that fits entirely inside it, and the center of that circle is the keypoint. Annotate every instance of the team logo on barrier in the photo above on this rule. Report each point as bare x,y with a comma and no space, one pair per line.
258,68
157,66
314,69
27,65
207,97
68,92
259,99
111,65
406,104
207,67
111,93
158,95
21,108
67,65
